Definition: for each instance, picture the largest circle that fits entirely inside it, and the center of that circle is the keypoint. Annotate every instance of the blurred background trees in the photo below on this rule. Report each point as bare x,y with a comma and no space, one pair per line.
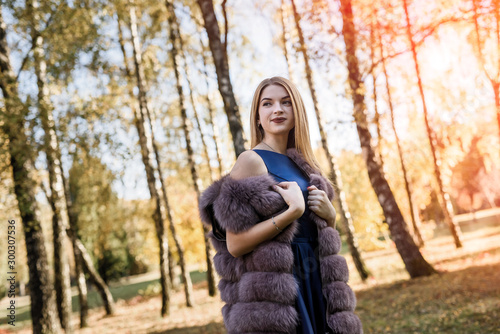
103,85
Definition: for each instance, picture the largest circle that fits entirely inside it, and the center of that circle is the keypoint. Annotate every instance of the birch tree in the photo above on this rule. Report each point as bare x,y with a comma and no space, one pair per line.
83,261
376,117
174,36
147,150
335,176
492,73
284,39
61,266
444,197
43,309
221,63
210,106
416,229
414,262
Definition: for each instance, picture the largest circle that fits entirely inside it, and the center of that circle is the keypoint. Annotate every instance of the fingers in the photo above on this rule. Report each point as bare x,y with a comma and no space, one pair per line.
283,186
315,197
320,196
313,190
313,203
287,185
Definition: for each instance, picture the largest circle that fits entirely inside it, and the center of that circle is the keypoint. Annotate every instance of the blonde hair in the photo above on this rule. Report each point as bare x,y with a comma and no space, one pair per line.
299,135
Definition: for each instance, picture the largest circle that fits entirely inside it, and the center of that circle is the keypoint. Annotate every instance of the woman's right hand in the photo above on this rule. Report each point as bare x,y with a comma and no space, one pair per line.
292,194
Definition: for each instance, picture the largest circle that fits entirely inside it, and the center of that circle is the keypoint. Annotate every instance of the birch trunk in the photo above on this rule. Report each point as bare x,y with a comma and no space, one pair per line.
444,197
185,273
191,98
186,278
376,118
211,111
284,39
146,144
414,220
81,284
414,262
188,287
335,175
494,78
174,36
43,309
496,83
88,266
222,68
61,265
81,254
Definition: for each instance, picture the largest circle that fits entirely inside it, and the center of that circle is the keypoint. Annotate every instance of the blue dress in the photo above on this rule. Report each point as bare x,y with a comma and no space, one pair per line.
310,303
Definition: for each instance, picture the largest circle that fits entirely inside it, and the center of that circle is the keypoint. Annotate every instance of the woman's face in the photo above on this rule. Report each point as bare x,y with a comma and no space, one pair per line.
275,111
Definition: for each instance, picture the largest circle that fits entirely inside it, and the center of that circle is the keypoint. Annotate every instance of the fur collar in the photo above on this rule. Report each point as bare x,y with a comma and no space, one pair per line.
237,205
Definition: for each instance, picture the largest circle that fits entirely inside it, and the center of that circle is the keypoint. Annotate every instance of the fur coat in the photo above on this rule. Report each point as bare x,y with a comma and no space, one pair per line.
259,288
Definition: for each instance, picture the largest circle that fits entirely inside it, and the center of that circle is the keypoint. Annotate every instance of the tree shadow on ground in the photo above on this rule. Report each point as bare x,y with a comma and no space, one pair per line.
211,328
463,301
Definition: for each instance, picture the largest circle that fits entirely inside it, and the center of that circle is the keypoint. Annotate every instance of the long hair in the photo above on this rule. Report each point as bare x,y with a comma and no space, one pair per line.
298,137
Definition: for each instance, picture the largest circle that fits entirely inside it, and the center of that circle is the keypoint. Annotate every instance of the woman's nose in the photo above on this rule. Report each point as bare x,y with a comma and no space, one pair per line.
277,108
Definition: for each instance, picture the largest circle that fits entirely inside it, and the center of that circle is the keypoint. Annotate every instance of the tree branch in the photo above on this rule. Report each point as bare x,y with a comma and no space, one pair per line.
226,28
37,35
428,31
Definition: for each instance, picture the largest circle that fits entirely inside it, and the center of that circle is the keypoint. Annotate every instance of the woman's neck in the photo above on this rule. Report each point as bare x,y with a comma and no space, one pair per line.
274,144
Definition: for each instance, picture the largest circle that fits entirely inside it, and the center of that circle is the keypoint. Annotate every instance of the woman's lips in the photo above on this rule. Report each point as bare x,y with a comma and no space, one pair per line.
279,120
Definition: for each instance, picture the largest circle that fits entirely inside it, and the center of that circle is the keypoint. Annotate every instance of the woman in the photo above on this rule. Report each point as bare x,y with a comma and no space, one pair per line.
273,229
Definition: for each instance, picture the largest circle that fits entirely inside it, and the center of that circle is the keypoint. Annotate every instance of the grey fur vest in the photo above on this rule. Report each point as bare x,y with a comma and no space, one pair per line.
259,288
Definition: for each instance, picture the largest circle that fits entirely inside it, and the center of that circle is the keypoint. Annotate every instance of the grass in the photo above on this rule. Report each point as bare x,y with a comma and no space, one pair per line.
464,301
463,298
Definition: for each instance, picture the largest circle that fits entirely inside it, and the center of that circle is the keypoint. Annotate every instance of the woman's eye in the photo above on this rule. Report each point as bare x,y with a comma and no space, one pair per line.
287,102
265,104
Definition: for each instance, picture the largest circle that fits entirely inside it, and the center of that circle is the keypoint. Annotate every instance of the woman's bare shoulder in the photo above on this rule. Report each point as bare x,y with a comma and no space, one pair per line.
249,163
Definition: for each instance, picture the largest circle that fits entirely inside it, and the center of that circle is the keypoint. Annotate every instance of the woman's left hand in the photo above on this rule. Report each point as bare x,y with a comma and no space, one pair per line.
319,203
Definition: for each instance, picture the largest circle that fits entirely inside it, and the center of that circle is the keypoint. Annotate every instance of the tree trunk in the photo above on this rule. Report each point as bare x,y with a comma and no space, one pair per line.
81,283
43,308
376,118
496,83
88,266
211,110
444,196
494,78
61,266
416,230
284,39
188,286
171,270
186,278
335,176
146,144
174,36
223,79
191,98
81,254
414,262
128,75
496,91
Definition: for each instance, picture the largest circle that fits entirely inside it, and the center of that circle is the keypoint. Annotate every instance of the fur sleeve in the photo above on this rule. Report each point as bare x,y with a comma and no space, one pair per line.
240,204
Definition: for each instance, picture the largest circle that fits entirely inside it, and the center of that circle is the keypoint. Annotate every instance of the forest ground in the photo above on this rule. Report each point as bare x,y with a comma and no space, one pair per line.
463,298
